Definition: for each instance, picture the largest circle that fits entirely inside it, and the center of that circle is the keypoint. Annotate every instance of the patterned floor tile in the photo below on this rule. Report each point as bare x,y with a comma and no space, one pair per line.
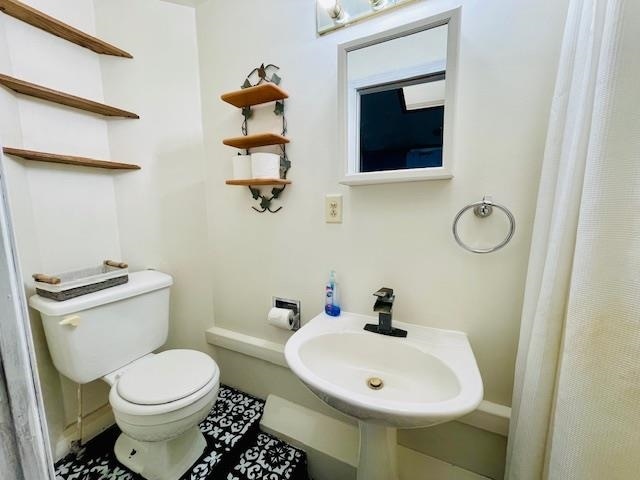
269,458
236,449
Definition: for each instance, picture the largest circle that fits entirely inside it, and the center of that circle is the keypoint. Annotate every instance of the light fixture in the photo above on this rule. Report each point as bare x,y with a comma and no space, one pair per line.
378,4
334,10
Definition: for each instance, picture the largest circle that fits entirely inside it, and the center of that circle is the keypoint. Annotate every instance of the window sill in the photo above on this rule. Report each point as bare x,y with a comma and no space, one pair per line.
395,176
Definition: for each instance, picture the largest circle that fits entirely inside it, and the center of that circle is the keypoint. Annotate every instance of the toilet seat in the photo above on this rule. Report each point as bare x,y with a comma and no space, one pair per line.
166,377
157,379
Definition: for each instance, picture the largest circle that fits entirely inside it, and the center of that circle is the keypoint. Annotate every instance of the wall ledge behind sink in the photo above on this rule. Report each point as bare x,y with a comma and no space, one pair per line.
489,416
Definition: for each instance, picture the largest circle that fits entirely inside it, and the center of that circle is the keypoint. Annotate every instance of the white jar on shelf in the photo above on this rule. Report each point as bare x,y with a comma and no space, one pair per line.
265,165
242,167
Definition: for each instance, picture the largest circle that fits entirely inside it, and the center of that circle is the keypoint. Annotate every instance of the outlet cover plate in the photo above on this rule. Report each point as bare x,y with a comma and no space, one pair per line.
333,208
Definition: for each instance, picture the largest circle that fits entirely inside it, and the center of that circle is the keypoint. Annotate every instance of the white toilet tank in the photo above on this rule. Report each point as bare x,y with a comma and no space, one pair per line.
95,334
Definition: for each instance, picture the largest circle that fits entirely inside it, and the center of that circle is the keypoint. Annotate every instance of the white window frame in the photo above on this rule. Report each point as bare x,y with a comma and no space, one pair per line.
349,102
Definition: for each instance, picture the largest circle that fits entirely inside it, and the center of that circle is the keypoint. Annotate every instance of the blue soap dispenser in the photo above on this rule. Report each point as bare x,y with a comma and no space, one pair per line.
331,305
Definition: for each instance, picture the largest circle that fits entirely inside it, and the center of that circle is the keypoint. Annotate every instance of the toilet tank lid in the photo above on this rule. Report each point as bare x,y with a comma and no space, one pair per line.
139,283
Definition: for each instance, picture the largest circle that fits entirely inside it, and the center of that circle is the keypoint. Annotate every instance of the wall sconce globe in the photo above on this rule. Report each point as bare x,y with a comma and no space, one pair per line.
335,10
378,4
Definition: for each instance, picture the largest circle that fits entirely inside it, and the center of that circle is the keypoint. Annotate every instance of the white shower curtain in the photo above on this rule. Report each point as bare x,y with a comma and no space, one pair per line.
576,411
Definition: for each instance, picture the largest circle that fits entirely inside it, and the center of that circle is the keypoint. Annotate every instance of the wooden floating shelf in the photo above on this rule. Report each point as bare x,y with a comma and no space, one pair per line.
62,98
259,182
247,97
256,140
49,24
68,159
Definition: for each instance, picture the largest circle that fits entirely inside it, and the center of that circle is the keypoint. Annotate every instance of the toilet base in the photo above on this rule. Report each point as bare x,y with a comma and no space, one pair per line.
167,460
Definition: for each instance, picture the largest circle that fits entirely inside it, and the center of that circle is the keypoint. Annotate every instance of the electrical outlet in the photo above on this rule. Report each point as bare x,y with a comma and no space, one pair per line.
333,209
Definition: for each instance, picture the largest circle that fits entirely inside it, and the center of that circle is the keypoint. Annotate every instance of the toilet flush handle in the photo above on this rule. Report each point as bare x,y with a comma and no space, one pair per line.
72,321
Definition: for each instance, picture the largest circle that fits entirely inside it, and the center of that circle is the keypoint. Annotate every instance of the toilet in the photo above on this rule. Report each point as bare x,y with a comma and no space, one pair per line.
158,399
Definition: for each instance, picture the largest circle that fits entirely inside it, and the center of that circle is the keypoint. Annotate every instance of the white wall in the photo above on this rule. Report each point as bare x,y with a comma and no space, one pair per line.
162,210
177,214
69,217
64,218
393,235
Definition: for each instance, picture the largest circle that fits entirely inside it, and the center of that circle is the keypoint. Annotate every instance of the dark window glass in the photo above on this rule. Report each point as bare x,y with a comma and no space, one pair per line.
393,137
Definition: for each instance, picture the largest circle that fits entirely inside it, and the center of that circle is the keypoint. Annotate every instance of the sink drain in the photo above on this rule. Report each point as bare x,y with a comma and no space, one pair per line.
375,383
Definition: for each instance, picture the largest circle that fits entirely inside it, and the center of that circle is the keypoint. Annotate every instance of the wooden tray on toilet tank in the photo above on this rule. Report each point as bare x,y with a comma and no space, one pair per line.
64,286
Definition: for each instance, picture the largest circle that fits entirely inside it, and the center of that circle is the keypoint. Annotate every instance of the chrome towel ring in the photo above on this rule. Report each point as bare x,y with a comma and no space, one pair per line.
483,209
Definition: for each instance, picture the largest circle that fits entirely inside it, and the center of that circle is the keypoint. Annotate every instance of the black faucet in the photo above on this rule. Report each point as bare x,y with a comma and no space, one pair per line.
384,307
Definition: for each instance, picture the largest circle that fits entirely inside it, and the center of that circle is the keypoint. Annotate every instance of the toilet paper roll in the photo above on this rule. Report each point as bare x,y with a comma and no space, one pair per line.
242,167
265,165
281,318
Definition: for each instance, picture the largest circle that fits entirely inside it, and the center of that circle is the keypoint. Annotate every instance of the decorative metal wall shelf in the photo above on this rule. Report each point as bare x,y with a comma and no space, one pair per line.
261,86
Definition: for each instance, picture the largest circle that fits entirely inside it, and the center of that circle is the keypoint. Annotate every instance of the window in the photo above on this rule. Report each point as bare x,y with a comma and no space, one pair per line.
396,98
401,125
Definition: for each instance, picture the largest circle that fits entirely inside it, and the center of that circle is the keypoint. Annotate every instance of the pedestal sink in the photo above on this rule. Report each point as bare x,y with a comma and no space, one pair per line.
429,377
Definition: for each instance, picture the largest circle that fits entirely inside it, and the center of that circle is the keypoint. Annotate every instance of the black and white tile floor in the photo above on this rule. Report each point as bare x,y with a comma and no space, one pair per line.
236,449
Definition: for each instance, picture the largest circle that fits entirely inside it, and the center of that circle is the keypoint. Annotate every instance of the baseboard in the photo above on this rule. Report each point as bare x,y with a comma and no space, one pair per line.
271,352
489,416
92,425
418,466
332,445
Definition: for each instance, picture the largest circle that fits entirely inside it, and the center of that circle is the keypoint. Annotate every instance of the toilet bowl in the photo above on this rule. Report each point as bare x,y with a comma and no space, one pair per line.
158,402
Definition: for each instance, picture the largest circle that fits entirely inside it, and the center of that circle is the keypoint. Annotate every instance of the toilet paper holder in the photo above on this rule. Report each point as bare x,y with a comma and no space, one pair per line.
293,305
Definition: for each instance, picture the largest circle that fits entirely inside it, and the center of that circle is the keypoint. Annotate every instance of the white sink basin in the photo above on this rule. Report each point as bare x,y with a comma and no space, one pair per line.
429,377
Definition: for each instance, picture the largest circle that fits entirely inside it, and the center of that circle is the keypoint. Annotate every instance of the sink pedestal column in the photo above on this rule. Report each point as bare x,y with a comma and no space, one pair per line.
378,447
